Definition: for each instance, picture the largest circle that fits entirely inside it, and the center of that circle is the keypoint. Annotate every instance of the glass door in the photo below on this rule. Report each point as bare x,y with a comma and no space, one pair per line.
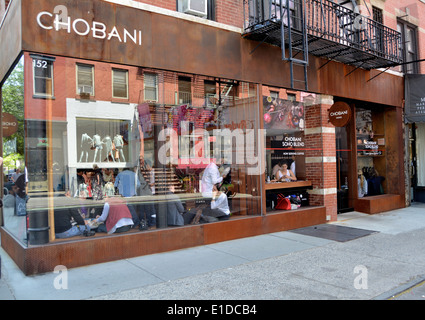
343,165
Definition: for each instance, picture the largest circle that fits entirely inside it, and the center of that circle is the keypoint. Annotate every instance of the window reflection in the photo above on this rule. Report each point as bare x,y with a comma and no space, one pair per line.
152,151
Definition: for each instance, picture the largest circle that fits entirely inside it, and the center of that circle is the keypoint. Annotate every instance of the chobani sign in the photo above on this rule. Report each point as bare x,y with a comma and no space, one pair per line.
339,114
60,20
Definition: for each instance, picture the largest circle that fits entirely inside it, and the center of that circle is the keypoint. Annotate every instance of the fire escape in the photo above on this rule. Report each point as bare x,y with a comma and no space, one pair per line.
324,29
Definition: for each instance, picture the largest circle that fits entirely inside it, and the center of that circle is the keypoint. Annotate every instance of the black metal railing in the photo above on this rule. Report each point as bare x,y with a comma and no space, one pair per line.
336,23
326,20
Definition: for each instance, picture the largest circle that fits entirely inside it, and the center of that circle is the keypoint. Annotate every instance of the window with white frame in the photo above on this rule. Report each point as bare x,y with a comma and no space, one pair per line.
150,86
85,79
120,83
200,8
43,76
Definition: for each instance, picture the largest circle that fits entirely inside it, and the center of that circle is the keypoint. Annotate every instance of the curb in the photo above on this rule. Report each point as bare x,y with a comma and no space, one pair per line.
390,295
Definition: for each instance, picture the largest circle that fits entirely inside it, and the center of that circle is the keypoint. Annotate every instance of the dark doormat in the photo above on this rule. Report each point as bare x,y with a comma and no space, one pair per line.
334,232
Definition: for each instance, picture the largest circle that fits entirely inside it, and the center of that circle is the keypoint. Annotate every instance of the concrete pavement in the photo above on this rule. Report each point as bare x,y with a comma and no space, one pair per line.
386,262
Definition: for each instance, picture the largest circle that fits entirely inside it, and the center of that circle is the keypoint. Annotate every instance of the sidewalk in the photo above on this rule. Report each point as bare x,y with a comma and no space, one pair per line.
359,256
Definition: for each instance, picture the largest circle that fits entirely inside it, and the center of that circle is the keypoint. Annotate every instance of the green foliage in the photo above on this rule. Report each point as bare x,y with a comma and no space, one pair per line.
10,160
13,102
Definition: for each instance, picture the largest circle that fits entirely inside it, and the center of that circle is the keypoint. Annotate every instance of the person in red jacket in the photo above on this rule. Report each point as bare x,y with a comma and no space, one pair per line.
116,216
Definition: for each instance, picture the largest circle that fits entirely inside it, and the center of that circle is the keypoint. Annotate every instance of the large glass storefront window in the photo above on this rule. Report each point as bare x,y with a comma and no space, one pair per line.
133,149
293,158
14,165
371,160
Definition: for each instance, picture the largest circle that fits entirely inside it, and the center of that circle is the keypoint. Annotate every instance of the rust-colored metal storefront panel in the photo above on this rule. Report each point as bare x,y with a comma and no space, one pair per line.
233,229
342,80
294,219
10,37
76,253
380,203
91,29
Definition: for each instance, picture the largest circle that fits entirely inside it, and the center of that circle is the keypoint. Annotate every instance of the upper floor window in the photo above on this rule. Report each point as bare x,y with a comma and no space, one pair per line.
43,76
408,46
151,86
377,15
200,8
119,83
85,79
378,29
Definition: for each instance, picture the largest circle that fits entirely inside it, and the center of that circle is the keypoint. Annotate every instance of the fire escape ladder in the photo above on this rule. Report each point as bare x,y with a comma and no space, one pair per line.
293,18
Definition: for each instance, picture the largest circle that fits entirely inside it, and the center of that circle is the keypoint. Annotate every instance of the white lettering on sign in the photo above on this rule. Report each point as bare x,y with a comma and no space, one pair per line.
83,28
338,113
9,124
292,142
371,145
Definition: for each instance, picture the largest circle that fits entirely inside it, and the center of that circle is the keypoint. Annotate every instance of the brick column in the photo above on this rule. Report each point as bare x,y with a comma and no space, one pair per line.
321,155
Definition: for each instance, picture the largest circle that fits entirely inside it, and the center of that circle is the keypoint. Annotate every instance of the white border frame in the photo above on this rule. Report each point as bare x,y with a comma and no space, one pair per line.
97,110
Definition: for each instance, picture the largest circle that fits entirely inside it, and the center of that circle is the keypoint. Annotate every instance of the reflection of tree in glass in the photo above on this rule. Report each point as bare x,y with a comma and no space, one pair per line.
13,103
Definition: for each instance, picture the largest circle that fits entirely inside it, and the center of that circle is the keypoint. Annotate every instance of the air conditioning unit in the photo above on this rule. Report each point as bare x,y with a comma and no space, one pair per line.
195,7
85,89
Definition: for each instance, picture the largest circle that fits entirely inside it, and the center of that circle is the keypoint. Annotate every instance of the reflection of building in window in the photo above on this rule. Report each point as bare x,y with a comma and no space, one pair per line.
120,83
85,79
95,137
43,76
150,86
209,91
185,90
275,94
291,97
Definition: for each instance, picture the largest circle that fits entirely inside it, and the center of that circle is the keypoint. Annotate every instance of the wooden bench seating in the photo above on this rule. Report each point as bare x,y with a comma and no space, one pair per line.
380,203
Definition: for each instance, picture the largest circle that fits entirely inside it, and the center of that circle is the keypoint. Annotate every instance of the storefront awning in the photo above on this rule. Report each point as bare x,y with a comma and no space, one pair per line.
415,98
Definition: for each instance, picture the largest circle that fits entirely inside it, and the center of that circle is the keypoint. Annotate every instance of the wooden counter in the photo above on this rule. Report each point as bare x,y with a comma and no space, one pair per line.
287,185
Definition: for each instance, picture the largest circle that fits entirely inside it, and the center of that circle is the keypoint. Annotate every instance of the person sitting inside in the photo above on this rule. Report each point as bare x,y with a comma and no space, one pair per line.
116,217
219,206
175,208
63,223
277,168
285,175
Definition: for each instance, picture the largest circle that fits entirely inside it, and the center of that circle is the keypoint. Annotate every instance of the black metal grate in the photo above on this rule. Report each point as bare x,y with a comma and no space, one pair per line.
333,31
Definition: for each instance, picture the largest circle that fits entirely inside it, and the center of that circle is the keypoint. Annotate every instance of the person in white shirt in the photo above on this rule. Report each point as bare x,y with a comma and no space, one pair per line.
210,177
219,205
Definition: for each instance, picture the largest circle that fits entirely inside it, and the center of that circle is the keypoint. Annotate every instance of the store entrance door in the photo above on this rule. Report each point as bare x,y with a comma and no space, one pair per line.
343,166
